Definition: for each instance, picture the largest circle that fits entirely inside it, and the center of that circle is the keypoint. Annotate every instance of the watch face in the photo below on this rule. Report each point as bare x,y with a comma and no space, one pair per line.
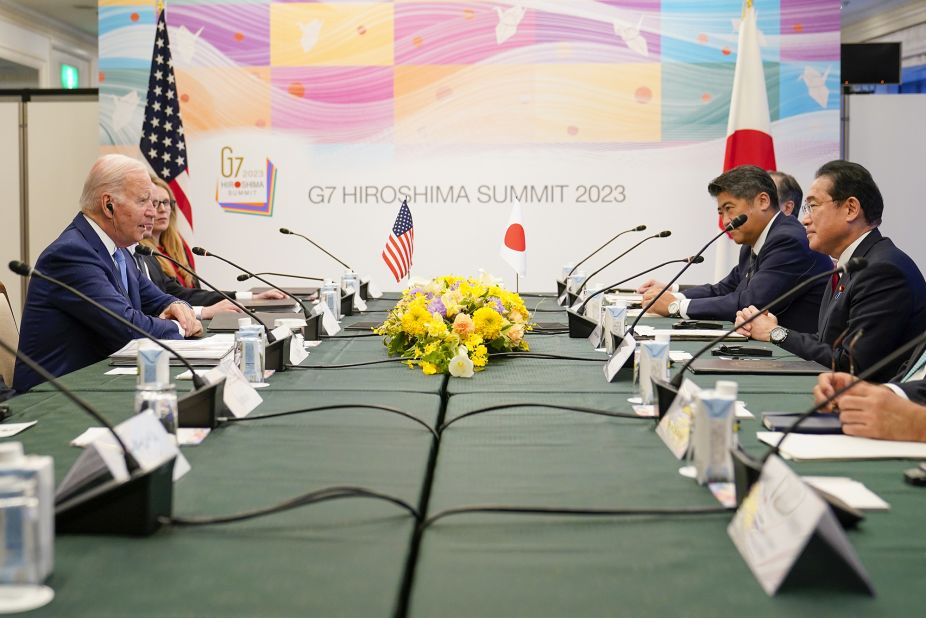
673,307
777,334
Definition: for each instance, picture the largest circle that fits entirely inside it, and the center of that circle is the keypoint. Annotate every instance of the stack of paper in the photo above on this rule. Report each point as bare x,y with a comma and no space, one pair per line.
206,351
810,447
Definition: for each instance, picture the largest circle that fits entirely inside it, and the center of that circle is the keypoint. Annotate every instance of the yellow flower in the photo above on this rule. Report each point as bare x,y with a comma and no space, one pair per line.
451,302
415,320
429,369
480,356
473,341
437,327
488,322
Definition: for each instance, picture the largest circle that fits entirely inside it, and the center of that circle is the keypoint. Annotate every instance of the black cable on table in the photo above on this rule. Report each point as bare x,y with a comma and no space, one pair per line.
314,497
339,406
569,511
553,406
360,364
544,355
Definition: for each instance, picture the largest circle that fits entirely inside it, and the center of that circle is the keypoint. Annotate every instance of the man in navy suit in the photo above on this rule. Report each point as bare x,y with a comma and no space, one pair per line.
62,332
774,258
865,315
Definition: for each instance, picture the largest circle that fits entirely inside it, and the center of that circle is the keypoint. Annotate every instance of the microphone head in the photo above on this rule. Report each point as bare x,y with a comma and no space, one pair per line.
736,222
639,228
665,234
283,230
199,251
243,277
854,264
20,268
696,259
143,250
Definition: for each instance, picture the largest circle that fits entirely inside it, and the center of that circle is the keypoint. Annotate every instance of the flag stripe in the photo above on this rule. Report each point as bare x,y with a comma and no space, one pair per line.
397,254
395,273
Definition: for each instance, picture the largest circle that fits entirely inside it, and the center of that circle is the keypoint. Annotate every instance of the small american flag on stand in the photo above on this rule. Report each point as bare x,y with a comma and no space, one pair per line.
162,142
401,244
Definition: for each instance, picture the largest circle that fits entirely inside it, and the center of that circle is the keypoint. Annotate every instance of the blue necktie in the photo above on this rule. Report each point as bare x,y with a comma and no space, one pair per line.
120,266
919,364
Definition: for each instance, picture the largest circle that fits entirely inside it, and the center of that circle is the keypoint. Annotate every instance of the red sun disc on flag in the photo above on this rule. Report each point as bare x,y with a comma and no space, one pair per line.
514,237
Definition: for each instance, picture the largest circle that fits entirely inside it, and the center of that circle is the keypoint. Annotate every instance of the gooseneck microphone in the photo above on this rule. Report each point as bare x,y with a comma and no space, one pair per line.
732,225
284,230
202,252
854,264
81,403
639,228
142,249
697,259
245,277
663,234
24,270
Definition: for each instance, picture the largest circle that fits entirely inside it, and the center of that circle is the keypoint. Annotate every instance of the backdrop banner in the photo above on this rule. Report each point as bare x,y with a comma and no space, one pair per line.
595,116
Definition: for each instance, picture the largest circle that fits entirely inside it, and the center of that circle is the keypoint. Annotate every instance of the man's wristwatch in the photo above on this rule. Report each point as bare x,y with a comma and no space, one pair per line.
675,309
778,334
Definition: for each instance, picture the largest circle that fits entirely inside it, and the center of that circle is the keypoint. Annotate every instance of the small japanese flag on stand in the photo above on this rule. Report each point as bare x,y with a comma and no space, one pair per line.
514,246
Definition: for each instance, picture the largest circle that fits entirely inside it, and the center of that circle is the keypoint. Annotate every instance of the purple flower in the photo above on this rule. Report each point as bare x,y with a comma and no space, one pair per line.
437,306
498,304
414,291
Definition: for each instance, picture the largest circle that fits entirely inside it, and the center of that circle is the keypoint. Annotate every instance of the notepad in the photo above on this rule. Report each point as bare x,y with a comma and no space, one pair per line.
809,447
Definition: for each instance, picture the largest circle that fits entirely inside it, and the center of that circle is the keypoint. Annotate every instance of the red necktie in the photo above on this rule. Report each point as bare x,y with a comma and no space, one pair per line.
835,281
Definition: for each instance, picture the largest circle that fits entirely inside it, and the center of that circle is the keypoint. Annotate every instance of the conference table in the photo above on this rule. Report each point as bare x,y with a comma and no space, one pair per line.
365,557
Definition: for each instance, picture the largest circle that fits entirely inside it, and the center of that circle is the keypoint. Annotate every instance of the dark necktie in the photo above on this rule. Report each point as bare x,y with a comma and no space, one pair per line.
753,262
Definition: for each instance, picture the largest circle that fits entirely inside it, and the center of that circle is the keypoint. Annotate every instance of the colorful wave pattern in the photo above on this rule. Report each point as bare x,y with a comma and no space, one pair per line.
656,72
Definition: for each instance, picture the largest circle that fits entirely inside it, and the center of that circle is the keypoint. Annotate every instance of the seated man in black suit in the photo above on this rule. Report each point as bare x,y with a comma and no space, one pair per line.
863,316
774,258
790,195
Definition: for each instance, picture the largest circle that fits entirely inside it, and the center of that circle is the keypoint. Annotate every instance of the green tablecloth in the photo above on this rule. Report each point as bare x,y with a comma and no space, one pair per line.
352,557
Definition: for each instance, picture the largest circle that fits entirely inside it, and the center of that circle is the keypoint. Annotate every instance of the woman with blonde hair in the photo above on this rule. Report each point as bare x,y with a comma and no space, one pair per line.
165,238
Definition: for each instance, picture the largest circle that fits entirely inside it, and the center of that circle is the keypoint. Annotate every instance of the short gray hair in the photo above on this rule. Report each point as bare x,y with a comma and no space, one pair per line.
107,176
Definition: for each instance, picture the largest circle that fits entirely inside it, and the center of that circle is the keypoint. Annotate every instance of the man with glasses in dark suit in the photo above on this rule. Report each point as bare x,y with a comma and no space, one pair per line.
868,314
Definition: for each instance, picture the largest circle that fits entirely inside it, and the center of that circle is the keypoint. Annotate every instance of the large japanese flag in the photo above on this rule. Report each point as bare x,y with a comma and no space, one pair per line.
749,130
514,244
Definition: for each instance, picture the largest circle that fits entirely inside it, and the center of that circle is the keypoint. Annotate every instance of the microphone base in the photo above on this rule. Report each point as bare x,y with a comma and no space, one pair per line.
277,354
133,508
571,299
666,392
312,331
347,304
746,471
579,325
202,407
365,291
560,287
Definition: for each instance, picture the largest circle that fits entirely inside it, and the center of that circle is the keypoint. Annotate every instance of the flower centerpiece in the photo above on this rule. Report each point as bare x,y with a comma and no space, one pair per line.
451,324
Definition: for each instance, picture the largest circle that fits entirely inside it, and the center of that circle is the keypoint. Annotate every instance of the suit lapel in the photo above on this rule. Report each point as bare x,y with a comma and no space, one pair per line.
80,223
829,298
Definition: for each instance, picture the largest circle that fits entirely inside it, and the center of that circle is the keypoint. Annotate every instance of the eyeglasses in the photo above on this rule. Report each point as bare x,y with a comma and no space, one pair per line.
165,204
808,208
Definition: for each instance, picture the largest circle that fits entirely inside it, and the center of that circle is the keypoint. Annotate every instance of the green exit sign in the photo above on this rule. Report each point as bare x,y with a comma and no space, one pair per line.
70,76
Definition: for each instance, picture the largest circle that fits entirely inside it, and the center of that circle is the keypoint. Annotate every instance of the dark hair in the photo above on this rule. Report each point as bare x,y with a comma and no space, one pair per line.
852,180
788,190
745,182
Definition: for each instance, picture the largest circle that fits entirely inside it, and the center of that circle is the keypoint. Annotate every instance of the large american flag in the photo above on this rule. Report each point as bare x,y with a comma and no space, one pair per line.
162,141
401,244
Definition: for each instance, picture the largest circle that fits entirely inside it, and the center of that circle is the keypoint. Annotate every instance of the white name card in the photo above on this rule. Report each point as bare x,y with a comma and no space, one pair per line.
620,357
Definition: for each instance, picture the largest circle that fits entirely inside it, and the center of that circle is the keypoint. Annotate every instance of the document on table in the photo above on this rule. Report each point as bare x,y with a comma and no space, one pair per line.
811,447
850,491
208,348
645,331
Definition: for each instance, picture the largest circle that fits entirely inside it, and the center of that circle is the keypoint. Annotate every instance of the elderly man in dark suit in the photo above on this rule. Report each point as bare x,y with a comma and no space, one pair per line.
868,314
62,332
774,258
